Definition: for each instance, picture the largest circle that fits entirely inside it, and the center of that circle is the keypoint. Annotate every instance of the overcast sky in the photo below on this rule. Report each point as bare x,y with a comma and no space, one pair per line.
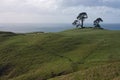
58,11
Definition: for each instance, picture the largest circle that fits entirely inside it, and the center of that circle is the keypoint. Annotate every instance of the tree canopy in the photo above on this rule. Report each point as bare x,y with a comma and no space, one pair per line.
97,22
81,18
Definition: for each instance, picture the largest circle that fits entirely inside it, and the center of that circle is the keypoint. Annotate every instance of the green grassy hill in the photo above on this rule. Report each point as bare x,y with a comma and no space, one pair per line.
77,54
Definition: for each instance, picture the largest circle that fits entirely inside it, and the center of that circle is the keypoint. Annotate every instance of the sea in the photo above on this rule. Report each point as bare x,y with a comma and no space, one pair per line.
38,27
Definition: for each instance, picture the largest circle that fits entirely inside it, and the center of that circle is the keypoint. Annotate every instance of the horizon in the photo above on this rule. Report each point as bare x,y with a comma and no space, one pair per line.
26,28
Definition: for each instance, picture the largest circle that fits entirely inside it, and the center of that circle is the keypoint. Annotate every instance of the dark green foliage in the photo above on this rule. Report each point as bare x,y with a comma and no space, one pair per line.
97,21
82,16
76,23
80,19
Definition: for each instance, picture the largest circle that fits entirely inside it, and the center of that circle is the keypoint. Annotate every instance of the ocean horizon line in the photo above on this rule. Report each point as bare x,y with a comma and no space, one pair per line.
26,27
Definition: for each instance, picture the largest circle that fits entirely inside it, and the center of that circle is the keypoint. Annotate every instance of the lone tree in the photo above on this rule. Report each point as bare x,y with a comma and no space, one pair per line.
81,17
97,22
76,23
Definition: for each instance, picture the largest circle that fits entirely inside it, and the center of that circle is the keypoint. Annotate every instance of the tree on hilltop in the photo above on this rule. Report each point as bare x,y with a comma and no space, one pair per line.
80,20
76,23
81,17
97,22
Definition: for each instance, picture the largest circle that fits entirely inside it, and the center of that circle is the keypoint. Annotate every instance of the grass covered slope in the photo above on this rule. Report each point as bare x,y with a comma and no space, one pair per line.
78,54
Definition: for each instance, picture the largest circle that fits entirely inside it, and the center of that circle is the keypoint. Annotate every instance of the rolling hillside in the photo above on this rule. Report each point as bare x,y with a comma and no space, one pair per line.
77,54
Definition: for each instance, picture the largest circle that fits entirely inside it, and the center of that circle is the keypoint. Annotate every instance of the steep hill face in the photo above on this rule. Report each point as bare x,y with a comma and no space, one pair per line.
71,55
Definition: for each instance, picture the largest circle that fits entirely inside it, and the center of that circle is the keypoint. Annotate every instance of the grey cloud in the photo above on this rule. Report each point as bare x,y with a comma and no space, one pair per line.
108,3
62,10
112,4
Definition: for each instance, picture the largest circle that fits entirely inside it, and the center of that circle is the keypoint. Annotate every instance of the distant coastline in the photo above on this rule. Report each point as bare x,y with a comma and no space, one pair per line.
36,27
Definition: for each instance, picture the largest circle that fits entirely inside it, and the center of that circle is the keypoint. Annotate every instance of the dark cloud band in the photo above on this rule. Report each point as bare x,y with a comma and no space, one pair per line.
108,3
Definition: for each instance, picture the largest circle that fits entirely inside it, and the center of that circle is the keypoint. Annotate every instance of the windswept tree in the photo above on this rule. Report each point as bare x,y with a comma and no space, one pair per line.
97,22
76,23
81,17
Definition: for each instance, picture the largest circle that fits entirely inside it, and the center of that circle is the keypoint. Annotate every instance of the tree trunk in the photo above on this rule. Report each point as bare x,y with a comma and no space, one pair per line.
81,23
